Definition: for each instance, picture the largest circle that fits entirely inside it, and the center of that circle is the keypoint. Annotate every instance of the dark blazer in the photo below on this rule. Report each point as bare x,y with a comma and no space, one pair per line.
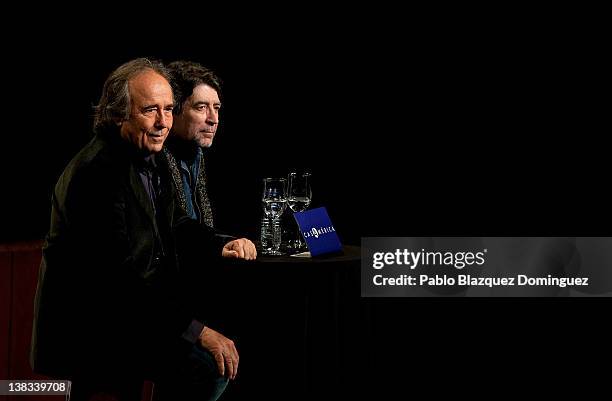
104,303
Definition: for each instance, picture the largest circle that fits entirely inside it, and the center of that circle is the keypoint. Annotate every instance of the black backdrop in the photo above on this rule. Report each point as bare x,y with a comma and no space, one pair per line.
436,130
445,132
278,113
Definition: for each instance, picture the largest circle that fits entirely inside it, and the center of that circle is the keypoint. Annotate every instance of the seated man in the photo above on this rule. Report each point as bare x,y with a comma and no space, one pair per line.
113,305
196,119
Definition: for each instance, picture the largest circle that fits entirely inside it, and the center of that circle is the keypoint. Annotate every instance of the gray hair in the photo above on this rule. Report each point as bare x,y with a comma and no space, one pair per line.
115,101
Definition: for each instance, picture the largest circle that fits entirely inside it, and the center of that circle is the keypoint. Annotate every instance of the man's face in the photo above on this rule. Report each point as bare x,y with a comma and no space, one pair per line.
151,112
199,117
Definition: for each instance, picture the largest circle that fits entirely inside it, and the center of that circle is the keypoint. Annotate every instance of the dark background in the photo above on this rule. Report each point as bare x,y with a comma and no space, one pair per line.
471,127
275,116
477,130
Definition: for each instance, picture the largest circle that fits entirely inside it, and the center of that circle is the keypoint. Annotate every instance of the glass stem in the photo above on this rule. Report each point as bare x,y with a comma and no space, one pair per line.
298,239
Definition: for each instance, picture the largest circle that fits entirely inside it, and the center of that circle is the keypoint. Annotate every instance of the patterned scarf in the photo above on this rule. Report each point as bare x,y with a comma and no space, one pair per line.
203,203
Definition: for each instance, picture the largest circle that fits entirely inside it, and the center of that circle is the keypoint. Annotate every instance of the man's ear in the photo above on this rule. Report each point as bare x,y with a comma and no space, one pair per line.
118,121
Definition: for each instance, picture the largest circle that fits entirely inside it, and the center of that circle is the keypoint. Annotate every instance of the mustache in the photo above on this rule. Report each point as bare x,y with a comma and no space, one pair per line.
156,133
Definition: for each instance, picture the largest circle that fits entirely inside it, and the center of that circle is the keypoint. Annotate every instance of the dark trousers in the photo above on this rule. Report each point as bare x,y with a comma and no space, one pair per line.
194,377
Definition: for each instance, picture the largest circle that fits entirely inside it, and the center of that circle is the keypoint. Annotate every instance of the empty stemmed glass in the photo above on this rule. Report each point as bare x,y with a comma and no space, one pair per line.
299,196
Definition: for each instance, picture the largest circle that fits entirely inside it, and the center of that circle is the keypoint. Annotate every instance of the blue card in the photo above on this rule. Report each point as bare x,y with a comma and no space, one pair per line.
318,231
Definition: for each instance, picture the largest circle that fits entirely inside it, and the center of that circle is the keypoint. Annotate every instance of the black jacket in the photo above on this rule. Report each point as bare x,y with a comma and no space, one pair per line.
104,302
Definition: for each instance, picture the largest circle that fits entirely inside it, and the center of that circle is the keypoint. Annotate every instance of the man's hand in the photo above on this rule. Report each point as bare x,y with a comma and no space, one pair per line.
240,248
223,350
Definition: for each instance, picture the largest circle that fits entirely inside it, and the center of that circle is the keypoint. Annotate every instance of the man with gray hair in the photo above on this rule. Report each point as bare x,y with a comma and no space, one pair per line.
114,306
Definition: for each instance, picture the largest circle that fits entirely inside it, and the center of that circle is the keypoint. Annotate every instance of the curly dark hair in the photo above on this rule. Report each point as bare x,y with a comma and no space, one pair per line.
186,75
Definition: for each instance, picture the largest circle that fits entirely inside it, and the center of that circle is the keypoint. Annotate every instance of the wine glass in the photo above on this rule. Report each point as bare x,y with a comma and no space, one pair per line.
274,202
299,196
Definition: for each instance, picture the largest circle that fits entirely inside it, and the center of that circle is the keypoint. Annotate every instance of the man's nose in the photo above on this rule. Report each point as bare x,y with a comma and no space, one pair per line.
163,120
213,118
